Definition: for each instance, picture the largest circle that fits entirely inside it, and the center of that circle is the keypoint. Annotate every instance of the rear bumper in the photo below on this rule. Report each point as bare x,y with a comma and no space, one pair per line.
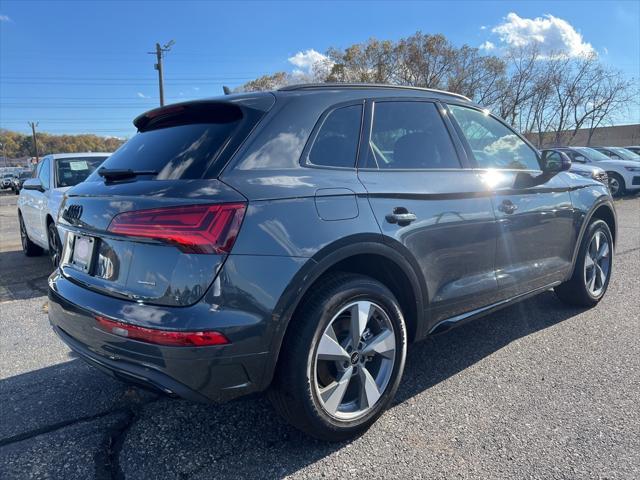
202,374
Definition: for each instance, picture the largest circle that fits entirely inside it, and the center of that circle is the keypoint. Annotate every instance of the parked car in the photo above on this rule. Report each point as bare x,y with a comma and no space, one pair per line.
40,199
6,182
297,241
16,184
623,175
582,169
634,149
618,153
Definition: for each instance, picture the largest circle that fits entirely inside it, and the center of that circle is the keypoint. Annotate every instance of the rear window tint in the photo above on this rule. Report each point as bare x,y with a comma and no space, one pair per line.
182,146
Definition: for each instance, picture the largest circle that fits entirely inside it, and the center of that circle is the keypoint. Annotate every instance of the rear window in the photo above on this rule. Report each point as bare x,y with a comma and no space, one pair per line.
184,145
72,171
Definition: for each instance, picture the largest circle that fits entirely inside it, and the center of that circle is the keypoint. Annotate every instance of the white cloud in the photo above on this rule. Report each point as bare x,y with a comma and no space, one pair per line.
487,46
4,18
142,95
483,27
551,34
308,62
197,89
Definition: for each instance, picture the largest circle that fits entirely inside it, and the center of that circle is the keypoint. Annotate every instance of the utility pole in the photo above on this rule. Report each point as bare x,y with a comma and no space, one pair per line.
4,153
35,139
159,53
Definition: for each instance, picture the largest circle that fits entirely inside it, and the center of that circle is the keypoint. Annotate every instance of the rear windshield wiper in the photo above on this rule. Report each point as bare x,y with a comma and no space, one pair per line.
120,174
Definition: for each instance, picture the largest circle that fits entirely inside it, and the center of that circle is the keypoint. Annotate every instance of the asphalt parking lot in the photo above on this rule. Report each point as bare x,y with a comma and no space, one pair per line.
539,390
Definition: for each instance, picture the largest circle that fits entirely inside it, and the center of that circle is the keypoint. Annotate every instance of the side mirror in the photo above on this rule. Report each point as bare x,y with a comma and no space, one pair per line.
555,162
33,184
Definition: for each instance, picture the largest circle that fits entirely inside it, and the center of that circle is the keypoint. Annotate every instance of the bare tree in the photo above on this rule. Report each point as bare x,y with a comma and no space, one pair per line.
548,97
424,60
479,77
267,82
371,62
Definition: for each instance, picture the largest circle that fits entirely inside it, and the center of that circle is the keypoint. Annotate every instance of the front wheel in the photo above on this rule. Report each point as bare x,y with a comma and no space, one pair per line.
342,359
55,246
593,267
616,184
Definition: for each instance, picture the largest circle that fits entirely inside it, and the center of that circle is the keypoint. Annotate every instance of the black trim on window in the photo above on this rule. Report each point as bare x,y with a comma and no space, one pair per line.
461,155
304,156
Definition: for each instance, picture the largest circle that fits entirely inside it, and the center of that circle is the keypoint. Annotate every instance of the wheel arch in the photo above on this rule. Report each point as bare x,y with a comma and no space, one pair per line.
364,254
602,210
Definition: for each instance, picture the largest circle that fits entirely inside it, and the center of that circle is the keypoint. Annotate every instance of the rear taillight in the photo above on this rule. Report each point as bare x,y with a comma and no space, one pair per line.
161,337
193,228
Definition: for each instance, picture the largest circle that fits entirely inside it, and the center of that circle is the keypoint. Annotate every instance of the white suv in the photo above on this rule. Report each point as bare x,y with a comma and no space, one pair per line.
623,175
41,196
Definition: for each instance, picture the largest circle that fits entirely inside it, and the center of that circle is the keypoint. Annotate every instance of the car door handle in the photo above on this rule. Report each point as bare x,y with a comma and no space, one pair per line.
508,207
401,216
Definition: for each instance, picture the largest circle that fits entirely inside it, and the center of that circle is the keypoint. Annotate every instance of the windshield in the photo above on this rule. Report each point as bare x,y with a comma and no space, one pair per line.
71,171
626,154
592,154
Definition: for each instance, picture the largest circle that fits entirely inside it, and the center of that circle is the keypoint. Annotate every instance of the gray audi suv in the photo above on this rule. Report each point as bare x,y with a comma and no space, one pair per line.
298,241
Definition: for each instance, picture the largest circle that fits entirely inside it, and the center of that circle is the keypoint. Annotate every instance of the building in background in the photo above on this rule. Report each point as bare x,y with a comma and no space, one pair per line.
616,136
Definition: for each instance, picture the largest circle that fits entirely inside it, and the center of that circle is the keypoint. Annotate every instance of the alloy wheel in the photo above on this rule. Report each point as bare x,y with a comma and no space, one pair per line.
597,263
614,185
354,360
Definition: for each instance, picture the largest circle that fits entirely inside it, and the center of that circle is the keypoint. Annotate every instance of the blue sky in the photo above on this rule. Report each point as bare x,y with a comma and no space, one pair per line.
82,66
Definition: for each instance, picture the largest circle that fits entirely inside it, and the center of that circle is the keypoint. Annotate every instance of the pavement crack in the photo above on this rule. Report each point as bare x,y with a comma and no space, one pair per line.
107,458
629,250
54,426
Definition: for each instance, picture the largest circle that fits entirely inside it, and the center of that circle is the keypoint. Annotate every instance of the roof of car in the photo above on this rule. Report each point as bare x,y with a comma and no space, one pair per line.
366,86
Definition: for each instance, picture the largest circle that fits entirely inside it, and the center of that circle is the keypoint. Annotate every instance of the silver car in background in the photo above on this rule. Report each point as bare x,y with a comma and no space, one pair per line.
623,175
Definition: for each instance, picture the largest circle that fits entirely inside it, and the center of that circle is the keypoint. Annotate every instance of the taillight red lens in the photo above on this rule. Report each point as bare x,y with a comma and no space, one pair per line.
161,337
193,228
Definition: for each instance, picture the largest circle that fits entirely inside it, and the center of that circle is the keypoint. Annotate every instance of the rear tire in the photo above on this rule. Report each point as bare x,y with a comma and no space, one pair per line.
325,384
29,248
617,186
592,270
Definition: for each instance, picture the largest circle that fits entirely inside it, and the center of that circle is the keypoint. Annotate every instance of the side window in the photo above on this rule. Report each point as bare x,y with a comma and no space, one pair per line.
410,135
576,157
553,159
44,174
336,144
494,145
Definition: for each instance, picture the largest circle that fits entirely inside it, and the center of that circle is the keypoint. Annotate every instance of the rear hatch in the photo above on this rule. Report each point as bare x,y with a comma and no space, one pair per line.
154,224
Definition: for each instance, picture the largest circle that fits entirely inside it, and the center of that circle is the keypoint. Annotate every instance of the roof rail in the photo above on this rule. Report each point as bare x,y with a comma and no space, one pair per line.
310,86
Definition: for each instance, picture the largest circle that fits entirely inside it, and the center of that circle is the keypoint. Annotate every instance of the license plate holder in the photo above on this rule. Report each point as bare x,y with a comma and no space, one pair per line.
83,250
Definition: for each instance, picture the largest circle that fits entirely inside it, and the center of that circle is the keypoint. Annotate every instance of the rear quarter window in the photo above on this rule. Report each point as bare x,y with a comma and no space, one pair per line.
336,144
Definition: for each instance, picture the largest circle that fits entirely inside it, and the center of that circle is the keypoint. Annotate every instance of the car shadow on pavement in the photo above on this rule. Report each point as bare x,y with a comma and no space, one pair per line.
23,277
243,438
